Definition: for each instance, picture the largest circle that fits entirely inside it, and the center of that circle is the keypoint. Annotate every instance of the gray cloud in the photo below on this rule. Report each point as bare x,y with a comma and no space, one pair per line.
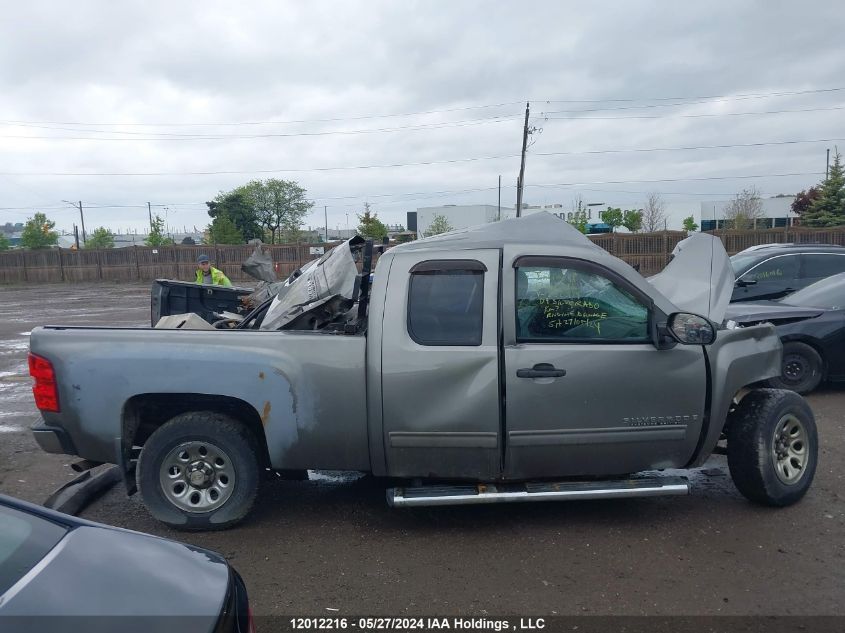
211,62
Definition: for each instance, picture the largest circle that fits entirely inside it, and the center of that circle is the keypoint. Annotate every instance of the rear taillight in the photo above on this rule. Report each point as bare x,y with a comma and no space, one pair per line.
45,390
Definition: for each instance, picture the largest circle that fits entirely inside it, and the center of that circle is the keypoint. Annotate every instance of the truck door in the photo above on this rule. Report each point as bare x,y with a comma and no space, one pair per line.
587,392
440,366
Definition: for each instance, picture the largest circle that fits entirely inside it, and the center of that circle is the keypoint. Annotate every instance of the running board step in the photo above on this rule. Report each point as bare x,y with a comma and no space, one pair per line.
535,491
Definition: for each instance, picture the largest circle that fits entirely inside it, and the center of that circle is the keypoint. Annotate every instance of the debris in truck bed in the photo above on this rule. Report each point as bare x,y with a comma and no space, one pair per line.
318,292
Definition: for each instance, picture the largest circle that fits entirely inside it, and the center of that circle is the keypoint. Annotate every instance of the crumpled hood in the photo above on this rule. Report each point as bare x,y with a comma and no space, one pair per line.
699,279
756,311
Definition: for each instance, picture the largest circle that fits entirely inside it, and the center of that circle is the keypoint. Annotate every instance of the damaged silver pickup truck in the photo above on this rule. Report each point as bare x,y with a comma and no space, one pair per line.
510,362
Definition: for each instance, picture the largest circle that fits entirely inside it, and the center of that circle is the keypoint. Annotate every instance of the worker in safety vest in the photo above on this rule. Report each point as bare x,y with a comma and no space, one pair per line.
209,275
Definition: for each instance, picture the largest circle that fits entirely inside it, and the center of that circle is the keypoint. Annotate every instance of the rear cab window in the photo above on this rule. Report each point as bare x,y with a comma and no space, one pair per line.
446,302
24,540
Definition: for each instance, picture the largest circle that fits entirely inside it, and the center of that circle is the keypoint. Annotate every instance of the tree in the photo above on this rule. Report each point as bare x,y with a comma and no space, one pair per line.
223,231
804,200
280,207
689,225
612,217
579,221
440,224
370,225
5,244
633,220
654,213
157,236
238,206
743,211
829,208
100,238
38,232
577,217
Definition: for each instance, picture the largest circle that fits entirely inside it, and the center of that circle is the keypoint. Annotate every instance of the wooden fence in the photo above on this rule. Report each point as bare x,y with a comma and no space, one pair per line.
649,251
139,263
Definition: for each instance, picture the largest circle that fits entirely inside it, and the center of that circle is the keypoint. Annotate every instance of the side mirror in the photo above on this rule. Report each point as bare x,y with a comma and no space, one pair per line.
742,283
690,329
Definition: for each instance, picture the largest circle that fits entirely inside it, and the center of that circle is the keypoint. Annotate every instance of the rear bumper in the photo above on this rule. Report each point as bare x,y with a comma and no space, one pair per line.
52,439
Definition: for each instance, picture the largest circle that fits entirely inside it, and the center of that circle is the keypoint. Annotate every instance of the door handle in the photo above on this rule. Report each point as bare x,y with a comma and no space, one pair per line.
541,370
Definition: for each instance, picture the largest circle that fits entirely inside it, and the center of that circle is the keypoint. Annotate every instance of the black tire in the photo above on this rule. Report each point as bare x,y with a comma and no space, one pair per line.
219,435
801,368
759,462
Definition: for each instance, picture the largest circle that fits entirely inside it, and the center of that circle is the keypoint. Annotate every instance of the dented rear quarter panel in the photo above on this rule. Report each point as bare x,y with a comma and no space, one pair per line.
307,388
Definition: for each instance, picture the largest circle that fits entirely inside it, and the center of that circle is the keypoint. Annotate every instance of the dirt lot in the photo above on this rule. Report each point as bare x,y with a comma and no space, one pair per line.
332,542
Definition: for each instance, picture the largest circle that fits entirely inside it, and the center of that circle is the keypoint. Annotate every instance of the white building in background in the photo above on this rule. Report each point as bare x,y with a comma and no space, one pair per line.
777,211
465,215
459,216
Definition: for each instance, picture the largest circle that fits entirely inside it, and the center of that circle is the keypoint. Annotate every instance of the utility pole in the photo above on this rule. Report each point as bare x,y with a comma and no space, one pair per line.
521,181
499,211
76,236
82,217
150,211
827,166
326,218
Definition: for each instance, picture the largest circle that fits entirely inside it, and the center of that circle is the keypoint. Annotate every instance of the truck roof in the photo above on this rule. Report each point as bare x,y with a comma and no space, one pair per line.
536,229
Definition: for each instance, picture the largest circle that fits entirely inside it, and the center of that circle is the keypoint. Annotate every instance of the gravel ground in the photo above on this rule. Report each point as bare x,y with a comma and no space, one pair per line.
332,542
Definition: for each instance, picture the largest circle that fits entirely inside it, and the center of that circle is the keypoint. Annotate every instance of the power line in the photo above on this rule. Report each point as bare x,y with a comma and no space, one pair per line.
163,136
432,126
262,171
741,96
422,195
702,179
684,148
688,116
737,96
424,163
291,121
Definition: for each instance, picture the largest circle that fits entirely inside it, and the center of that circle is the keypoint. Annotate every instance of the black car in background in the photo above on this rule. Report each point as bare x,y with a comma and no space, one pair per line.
771,271
61,573
811,325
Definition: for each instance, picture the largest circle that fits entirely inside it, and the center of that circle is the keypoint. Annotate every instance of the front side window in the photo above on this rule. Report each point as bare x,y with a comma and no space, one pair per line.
774,269
571,304
445,305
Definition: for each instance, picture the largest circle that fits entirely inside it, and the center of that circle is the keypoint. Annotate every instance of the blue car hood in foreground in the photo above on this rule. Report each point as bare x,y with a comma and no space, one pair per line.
107,574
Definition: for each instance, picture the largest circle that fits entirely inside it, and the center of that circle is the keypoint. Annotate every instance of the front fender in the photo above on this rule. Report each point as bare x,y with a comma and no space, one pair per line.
738,358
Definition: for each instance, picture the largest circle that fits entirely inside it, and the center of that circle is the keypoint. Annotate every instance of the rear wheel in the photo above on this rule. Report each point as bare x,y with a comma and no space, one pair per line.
199,471
772,447
801,368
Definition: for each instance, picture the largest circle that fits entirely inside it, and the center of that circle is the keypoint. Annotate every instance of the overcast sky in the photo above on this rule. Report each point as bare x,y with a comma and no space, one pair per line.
408,104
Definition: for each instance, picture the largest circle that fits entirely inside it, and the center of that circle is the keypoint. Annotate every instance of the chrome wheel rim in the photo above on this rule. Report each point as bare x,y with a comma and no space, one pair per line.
789,449
197,477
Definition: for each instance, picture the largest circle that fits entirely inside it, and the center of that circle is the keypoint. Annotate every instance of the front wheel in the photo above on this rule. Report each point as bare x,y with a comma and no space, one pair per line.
772,447
199,471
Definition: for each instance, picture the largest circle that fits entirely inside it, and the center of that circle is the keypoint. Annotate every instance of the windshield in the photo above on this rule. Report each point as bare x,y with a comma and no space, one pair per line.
741,263
24,540
827,293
